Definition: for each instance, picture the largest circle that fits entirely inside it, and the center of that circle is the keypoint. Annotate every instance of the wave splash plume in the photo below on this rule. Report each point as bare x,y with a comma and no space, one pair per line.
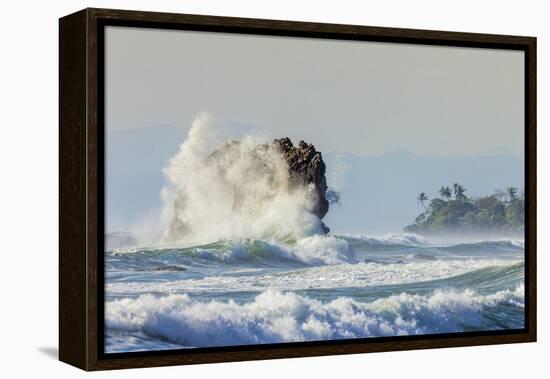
239,190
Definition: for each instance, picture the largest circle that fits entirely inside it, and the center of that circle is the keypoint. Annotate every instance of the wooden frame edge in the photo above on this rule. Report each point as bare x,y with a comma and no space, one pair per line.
72,189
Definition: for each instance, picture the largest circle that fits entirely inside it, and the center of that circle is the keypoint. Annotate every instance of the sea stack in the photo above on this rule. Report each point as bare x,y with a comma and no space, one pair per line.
306,166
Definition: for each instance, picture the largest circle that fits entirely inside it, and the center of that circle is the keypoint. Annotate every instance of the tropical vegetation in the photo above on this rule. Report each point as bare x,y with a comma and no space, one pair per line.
453,211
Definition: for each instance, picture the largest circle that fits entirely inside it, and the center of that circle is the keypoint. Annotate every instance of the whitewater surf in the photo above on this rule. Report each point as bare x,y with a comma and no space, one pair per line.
248,291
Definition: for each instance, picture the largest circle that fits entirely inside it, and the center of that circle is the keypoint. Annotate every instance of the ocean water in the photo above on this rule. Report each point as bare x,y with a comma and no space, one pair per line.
245,291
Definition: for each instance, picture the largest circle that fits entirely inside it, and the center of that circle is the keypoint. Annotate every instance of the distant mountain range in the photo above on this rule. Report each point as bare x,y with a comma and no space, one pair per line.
379,193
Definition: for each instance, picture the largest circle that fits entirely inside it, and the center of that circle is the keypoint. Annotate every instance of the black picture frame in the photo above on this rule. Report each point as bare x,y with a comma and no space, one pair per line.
81,183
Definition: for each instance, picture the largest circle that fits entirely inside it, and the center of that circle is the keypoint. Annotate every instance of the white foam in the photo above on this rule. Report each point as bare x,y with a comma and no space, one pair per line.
323,249
323,277
274,317
518,243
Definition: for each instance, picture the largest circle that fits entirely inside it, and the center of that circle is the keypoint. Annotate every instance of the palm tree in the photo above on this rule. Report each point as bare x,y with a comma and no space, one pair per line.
448,192
455,188
422,197
501,195
512,193
445,192
459,193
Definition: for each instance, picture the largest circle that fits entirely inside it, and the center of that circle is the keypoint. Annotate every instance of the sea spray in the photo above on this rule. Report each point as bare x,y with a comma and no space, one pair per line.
239,190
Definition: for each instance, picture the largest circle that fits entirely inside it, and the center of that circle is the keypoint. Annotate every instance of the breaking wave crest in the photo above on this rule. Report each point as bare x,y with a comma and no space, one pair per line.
317,250
314,250
274,317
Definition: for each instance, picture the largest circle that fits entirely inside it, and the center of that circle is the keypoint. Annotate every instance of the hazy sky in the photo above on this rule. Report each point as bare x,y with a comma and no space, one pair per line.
367,99
343,96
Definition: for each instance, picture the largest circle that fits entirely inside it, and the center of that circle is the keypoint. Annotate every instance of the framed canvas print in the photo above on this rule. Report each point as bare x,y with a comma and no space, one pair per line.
237,189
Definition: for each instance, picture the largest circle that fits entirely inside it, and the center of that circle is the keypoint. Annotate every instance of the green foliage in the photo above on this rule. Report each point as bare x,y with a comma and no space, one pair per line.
503,212
445,193
422,198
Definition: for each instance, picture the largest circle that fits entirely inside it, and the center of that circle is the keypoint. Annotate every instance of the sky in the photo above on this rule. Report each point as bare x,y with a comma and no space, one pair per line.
348,98
363,98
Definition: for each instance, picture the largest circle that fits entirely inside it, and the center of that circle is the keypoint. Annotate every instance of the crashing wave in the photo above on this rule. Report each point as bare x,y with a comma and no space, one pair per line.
275,317
243,189
315,250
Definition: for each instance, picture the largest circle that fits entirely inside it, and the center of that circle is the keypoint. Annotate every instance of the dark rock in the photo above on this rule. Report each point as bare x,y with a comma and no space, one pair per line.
306,166
168,268
367,260
425,257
